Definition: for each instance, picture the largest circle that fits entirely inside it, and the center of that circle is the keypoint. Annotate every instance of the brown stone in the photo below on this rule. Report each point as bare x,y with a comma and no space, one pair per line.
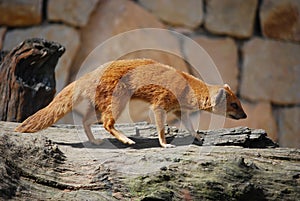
64,35
280,19
112,37
271,71
187,13
101,36
224,54
2,33
73,12
231,17
289,127
106,22
21,13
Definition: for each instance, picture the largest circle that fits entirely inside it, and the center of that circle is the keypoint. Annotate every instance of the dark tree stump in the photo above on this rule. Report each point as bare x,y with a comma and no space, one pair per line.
27,79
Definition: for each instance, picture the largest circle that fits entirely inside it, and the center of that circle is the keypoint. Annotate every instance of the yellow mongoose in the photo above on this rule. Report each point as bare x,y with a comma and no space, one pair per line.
109,88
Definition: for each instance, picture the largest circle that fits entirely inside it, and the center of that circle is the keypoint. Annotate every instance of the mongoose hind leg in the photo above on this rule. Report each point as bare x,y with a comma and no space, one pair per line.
108,122
87,121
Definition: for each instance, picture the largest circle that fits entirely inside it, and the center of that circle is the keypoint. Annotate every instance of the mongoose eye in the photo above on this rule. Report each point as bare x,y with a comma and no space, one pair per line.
234,105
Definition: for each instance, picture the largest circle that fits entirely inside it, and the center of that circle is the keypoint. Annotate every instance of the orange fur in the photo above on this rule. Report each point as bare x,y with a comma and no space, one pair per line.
109,88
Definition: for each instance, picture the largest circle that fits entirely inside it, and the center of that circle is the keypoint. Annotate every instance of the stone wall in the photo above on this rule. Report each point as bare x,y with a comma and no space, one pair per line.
254,44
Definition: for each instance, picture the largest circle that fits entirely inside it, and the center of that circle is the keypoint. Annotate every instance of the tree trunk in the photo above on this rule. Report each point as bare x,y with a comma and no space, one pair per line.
59,164
27,79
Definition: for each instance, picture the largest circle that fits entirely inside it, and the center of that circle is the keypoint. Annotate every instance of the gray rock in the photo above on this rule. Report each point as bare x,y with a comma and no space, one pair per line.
289,127
223,52
187,13
271,71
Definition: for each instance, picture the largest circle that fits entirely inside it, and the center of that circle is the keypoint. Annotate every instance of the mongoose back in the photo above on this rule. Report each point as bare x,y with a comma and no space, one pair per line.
110,87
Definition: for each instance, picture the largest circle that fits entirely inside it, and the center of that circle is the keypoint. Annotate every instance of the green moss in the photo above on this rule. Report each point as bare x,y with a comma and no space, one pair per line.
226,180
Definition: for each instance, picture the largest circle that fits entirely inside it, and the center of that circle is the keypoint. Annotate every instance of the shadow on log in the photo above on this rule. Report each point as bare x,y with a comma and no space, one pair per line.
27,79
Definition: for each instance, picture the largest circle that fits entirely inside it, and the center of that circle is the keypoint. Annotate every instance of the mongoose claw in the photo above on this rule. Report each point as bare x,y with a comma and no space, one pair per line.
168,145
199,139
97,141
129,141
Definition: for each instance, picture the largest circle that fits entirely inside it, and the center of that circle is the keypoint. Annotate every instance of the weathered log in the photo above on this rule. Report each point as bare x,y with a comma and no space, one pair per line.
27,79
60,164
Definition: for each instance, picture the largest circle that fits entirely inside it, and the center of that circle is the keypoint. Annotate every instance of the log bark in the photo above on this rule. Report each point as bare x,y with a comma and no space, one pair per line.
59,164
27,79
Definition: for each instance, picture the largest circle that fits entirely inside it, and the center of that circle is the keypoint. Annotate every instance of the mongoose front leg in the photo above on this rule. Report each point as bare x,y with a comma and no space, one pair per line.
184,117
160,120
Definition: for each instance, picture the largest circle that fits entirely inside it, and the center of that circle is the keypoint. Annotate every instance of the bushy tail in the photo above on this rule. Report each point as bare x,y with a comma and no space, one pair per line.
47,116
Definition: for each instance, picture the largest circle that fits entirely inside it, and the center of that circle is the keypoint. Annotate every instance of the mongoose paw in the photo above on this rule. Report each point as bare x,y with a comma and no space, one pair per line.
97,141
168,145
199,139
129,141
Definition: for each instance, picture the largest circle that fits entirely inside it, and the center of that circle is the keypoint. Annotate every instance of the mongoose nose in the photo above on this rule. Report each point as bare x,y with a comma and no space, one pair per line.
244,116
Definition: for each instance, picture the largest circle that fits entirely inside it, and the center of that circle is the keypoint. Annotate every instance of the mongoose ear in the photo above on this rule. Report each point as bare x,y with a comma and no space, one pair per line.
226,86
219,97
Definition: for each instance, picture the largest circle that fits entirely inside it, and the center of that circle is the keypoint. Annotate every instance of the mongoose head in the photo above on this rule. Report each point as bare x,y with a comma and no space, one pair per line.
225,102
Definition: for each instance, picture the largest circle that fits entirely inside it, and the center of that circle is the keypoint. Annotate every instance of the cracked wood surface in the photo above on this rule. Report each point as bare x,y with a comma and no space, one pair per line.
60,164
